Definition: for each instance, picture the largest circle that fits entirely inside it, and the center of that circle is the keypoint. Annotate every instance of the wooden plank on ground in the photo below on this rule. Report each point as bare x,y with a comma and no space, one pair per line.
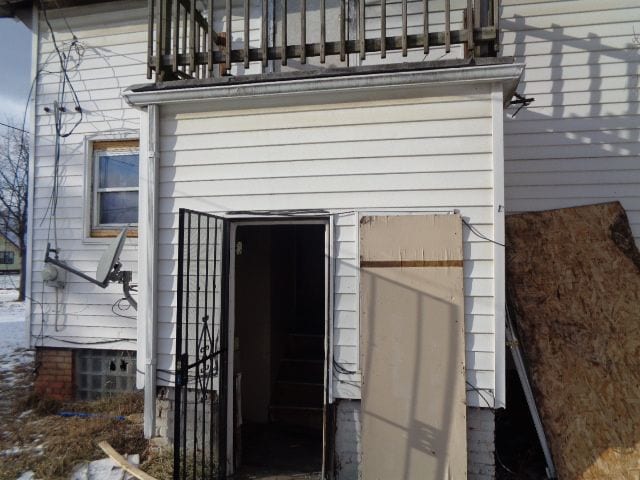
124,464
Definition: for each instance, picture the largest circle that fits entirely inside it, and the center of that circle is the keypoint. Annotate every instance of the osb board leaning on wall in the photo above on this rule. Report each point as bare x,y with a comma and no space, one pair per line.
574,281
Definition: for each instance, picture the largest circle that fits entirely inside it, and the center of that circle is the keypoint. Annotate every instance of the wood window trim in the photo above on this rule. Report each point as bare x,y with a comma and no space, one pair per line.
107,231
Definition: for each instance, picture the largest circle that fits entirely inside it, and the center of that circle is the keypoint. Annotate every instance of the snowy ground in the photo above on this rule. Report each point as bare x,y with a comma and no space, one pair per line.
14,355
12,324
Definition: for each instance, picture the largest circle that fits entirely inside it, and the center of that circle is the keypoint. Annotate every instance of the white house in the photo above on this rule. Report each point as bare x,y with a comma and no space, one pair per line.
289,217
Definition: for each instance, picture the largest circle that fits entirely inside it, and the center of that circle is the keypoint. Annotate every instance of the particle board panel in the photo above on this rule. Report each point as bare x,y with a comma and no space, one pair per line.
412,347
574,283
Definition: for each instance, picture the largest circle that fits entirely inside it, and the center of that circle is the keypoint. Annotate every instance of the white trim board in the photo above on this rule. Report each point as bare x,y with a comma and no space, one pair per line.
498,250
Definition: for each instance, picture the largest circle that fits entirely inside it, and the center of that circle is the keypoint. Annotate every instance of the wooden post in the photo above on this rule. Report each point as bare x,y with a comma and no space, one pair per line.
176,37
343,26
383,28
185,25
228,37
425,30
469,27
150,37
192,38
265,33
222,44
404,28
496,24
247,33
284,32
303,31
447,26
195,54
159,36
211,42
323,30
362,40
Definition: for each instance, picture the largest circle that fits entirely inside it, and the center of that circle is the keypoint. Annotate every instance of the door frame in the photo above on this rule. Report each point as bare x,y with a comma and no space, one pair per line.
328,316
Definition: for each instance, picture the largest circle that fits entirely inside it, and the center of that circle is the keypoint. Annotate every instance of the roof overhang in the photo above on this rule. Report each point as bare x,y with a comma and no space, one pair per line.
347,84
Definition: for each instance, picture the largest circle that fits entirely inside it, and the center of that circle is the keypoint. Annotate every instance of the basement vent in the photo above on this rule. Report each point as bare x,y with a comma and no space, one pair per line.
103,372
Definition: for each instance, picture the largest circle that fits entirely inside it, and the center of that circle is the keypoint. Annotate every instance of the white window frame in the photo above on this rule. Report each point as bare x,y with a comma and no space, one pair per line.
94,147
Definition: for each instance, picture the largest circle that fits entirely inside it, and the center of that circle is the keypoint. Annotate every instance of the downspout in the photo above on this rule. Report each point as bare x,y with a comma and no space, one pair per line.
148,262
35,24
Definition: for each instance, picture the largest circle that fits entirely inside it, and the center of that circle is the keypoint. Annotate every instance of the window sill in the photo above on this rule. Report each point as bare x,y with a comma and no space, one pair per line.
112,232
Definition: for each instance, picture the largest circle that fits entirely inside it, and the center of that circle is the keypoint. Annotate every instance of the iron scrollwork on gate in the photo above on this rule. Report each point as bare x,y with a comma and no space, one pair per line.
199,433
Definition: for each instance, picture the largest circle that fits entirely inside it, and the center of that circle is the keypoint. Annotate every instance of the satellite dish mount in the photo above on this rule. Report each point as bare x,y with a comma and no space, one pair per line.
109,267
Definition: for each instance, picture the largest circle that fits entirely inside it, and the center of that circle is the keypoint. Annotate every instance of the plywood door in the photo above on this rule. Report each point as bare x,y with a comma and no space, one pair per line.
412,348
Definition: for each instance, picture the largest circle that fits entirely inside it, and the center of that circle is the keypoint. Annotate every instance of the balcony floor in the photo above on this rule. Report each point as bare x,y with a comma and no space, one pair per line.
322,73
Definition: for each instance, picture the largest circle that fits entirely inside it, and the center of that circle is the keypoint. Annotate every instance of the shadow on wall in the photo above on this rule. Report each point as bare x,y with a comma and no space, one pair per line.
579,142
413,393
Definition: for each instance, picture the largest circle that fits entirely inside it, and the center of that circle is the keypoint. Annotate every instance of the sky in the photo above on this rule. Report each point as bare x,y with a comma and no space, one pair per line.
15,58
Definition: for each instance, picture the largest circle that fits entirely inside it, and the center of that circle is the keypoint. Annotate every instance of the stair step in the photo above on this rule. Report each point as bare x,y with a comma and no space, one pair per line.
292,370
295,407
305,346
308,417
298,393
300,382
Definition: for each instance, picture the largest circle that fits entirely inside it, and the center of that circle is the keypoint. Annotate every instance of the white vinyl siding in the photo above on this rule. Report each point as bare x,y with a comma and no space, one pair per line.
579,142
113,37
425,154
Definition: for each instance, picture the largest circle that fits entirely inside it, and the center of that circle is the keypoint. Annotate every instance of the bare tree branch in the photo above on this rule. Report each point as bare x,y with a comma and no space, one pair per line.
14,167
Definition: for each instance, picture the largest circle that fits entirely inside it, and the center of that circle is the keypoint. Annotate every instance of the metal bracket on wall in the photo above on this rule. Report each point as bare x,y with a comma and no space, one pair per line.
514,345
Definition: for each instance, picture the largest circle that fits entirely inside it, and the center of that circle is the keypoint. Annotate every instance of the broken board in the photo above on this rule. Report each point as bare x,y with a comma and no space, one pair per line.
573,277
412,348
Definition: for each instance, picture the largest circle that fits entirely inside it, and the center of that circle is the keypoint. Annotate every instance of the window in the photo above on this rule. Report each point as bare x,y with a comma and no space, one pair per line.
115,185
6,258
102,372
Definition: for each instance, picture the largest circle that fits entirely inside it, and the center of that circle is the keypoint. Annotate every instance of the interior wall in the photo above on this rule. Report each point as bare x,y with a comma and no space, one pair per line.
253,320
282,283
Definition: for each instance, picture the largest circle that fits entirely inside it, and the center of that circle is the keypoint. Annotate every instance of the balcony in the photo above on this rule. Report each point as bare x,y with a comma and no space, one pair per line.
196,39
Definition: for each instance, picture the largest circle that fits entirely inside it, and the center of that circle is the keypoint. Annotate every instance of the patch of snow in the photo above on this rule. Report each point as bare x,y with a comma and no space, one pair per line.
104,469
10,282
12,330
28,475
13,451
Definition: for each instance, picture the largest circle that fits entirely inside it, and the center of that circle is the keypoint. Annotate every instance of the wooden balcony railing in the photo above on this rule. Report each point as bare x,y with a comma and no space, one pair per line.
183,43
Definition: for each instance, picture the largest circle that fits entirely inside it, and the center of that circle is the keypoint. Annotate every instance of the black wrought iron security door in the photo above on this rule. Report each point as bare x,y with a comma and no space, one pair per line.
199,434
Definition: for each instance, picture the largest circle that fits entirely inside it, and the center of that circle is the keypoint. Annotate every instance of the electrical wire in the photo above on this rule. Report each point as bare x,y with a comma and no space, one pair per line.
12,127
480,392
507,469
479,234
99,342
341,370
118,304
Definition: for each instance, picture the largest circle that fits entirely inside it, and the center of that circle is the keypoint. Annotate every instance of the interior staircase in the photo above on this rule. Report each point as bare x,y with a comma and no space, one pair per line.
297,396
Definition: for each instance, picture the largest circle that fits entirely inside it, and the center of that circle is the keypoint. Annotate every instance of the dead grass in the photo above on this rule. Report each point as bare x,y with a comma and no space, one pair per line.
33,437
52,446
159,463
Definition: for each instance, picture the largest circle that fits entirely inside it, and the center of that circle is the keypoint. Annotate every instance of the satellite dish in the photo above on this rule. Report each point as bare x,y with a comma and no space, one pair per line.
108,267
110,257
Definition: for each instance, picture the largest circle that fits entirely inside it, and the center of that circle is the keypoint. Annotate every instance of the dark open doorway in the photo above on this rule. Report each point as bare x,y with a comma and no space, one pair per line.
279,355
